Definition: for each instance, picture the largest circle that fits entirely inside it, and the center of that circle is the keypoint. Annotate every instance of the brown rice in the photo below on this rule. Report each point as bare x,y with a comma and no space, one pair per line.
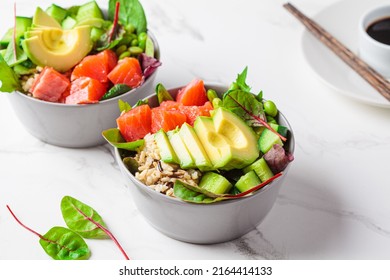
158,175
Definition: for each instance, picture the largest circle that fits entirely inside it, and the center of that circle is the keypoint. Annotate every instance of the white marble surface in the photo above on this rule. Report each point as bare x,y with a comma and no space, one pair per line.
335,203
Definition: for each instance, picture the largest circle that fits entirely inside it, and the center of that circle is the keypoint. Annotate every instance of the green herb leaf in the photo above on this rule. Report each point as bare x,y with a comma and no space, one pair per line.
9,55
246,106
60,243
9,81
114,137
194,194
63,244
130,12
84,220
76,214
241,81
162,94
123,106
141,102
115,91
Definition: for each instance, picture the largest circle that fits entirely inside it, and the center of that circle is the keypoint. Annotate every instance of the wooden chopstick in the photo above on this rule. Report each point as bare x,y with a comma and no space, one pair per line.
363,69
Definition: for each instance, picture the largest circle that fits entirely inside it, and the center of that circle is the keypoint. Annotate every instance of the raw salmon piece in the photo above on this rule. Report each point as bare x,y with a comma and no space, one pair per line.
166,119
85,90
192,112
136,123
49,85
193,94
96,66
128,71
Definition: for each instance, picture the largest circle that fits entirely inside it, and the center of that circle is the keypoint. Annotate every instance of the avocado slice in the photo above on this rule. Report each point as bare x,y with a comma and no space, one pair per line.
185,159
195,147
227,140
167,153
216,146
60,49
43,19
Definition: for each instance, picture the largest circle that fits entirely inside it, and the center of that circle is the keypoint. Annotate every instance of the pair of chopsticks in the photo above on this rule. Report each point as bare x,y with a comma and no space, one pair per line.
363,69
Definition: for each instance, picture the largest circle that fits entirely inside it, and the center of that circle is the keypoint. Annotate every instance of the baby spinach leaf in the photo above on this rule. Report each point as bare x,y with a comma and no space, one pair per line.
115,91
123,106
162,94
82,218
241,81
114,137
60,243
130,12
63,244
9,81
194,194
10,52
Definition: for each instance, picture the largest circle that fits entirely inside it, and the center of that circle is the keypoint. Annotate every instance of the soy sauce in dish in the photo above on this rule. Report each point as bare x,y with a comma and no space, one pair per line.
380,30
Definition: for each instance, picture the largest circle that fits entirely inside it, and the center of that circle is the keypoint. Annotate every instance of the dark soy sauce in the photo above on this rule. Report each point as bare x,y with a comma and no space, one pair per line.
380,30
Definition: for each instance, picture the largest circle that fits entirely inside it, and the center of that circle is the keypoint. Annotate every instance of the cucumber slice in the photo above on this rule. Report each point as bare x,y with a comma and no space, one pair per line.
57,12
260,167
68,23
267,140
89,10
282,130
248,181
22,24
215,183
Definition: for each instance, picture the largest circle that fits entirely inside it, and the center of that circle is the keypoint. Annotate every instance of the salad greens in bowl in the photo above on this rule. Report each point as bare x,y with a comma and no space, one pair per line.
65,68
204,162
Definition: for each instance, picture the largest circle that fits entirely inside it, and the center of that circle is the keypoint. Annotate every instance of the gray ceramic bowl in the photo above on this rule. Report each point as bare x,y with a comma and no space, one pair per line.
75,126
204,223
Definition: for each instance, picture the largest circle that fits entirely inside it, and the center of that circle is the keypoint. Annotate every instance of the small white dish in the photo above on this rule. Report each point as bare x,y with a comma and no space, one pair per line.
373,52
331,69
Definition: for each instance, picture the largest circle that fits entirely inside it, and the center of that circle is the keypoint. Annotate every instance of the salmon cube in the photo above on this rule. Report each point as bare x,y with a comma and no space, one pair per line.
50,85
85,90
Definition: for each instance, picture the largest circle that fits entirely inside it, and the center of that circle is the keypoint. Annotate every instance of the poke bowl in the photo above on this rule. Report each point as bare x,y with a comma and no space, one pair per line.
199,202
72,66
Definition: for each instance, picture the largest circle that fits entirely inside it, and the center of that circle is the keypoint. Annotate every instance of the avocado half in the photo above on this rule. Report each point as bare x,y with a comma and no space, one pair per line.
60,49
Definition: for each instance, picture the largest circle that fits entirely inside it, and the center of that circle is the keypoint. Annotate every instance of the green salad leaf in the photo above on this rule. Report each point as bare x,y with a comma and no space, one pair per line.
63,244
130,12
162,94
114,137
78,216
9,81
246,106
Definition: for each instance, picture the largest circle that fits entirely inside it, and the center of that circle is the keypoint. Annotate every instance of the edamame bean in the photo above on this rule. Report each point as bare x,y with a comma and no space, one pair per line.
135,50
142,36
211,94
134,43
130,28
270,108
124,54
121,49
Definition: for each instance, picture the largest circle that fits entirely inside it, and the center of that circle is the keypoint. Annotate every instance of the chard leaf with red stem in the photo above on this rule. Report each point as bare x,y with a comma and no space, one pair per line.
60,243
84,220
198,195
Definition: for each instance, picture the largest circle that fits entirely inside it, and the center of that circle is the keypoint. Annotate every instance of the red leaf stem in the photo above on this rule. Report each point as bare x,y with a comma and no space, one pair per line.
106,231
14,34
258,119
256,187
26,227
115,22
